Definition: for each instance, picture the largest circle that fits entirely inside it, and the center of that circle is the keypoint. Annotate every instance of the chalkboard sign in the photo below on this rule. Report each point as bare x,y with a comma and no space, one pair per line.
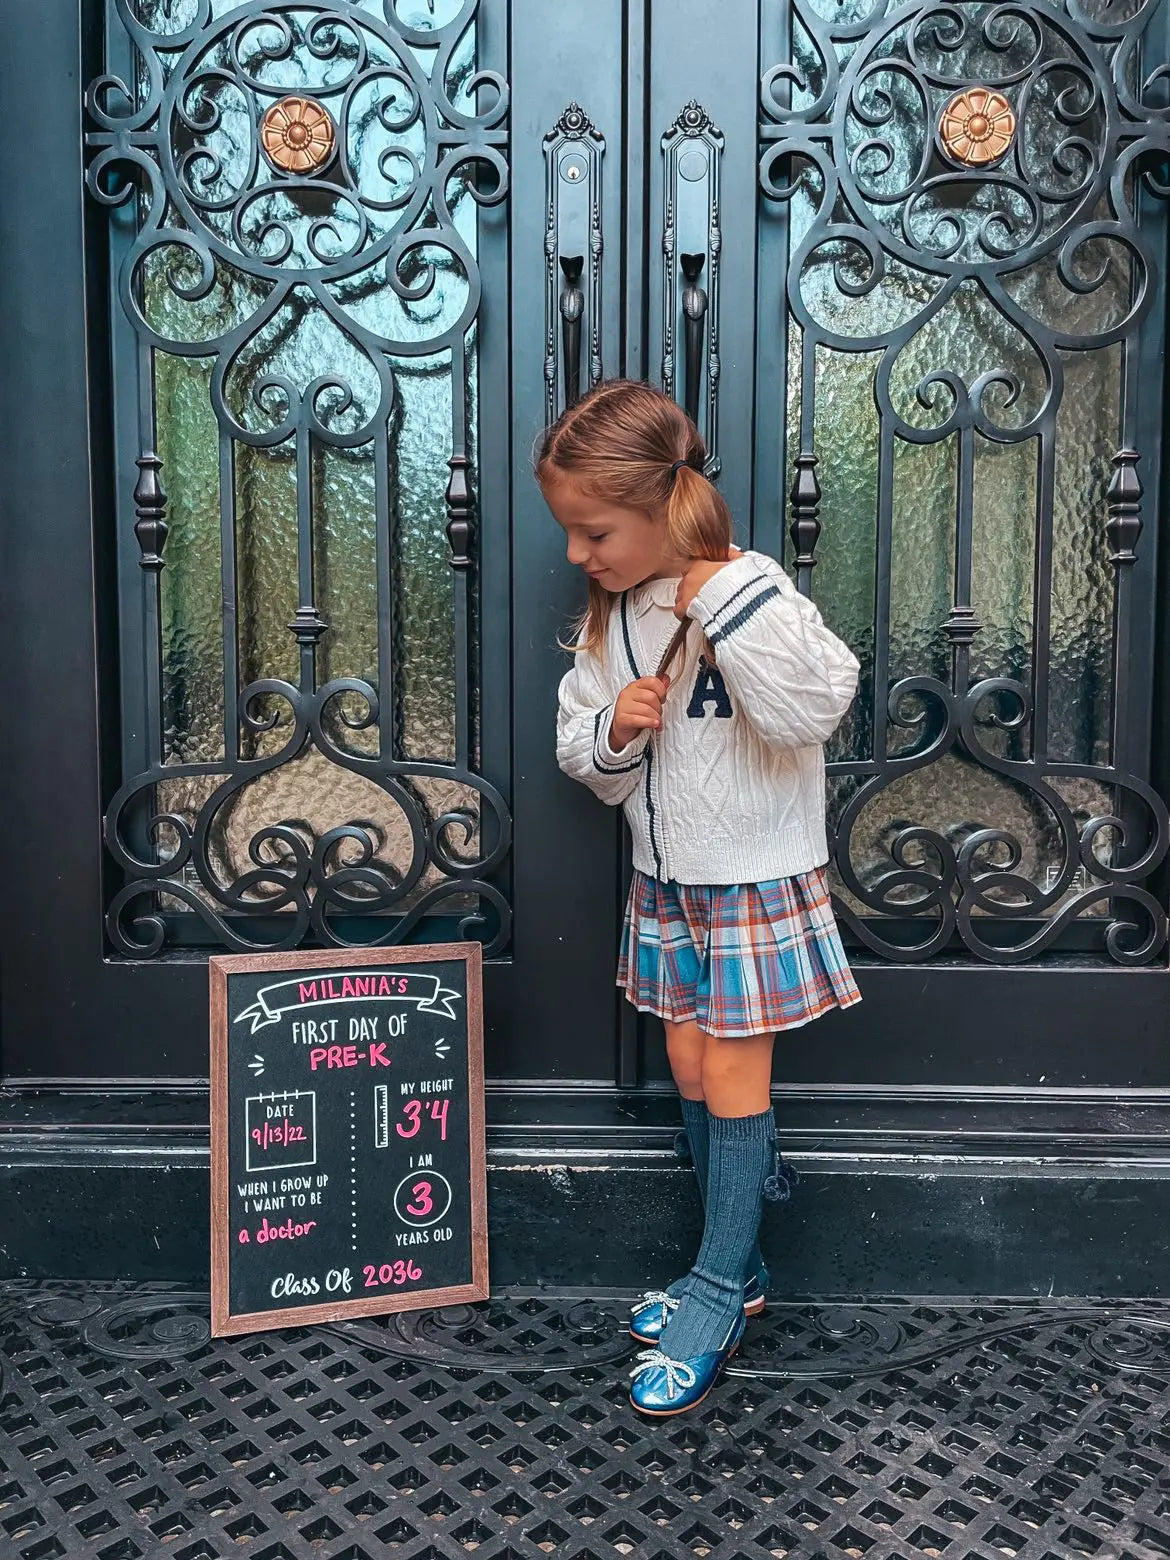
347,1134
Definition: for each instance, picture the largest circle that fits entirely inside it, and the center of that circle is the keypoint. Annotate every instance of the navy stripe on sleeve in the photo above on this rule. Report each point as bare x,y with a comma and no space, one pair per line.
731,600
598,762
748,610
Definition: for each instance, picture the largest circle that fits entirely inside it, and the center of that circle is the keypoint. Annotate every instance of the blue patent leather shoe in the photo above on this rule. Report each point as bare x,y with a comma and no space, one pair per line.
662,1387
653,1310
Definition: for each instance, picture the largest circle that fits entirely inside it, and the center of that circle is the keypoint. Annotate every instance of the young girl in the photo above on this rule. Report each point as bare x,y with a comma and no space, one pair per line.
728,933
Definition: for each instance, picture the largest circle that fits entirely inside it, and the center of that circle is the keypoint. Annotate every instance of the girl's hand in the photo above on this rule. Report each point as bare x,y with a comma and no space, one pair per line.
638,708
698,573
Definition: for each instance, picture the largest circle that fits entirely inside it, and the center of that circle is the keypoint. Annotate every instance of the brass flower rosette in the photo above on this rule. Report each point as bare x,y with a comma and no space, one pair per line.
977,127
297,135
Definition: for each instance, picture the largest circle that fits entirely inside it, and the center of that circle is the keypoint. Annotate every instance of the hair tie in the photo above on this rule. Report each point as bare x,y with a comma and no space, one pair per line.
674,468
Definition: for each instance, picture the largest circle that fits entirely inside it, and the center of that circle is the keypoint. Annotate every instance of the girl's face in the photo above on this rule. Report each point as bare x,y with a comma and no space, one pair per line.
619,548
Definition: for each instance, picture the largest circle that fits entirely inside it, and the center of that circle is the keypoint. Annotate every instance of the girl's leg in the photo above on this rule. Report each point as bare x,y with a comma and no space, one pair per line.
688,1049
736,1075
736,1079
685,1044
685,1047
738,1082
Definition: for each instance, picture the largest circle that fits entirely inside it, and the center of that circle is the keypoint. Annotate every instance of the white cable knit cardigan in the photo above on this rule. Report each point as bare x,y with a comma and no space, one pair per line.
732,788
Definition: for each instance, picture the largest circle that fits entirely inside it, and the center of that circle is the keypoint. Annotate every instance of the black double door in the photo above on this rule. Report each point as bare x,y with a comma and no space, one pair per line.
292,290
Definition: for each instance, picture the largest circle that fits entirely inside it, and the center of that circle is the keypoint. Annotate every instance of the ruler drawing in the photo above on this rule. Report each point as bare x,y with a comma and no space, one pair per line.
381,1115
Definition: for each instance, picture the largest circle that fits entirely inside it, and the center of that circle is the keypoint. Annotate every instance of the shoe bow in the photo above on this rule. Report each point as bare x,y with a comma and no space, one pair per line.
680,1376
658,1297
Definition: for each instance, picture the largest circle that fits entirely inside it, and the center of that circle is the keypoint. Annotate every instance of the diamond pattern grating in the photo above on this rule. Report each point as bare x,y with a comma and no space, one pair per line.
892,1429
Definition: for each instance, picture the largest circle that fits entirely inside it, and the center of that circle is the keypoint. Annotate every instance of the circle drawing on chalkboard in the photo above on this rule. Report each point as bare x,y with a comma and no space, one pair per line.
422,1197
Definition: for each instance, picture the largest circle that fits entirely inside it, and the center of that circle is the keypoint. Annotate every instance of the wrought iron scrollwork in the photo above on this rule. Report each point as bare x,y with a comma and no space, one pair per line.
934,150
241,188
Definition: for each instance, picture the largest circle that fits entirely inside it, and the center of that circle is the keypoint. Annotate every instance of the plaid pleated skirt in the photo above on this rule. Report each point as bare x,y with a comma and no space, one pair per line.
748,959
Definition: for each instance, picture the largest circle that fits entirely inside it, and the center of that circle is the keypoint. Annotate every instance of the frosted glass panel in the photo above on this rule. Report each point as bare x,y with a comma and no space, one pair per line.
847,450
266,561
191,602
1080,682
423,640
345,568
1003,550
922,559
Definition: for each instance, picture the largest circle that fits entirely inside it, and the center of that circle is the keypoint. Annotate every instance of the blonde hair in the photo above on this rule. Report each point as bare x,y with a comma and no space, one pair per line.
618,444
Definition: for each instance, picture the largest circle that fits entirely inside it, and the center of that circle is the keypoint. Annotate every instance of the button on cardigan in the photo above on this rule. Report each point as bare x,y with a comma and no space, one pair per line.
732,789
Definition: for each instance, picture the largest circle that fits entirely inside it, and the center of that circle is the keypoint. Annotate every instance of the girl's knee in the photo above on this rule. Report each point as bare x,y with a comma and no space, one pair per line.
716,1071
688,1077
734,1064
684,1050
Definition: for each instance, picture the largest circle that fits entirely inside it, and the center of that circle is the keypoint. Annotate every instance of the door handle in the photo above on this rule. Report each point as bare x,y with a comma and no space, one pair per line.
573,244
572,305
694,307
692,155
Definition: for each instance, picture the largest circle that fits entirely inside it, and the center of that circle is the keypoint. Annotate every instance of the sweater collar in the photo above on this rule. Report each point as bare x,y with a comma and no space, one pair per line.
655,593
661,593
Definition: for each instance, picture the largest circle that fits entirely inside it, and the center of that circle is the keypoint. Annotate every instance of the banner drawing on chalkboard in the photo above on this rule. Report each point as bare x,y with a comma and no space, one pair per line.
426,992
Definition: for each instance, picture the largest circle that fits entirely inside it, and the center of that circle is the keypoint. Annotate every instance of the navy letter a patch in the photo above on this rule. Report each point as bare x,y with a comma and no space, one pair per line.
709,685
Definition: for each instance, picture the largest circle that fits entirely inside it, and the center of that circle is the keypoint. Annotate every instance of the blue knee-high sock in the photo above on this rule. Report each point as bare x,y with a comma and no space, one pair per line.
696,1117
740,1159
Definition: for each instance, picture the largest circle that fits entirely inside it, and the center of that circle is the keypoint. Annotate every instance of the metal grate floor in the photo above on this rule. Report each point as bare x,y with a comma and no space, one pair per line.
901,1428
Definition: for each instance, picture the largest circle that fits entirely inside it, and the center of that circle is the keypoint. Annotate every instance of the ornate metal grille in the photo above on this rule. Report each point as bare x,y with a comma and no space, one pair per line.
970,270
297,186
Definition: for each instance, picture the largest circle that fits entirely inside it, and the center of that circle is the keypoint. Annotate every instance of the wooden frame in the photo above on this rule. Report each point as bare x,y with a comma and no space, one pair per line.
223,1322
